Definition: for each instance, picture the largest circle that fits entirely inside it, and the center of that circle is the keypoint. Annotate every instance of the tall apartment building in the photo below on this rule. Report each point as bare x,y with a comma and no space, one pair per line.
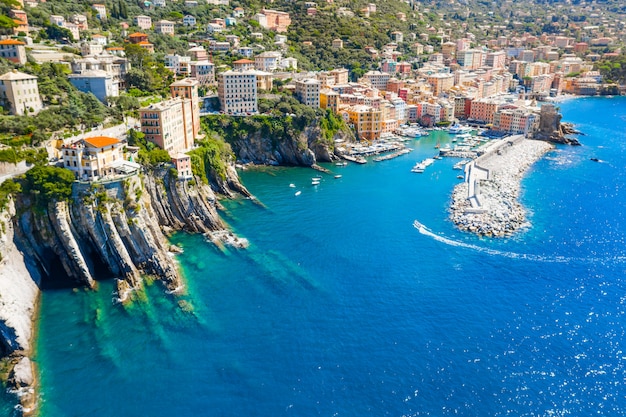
496,60
440,83
20,92
483,110
237,91
164,125
187,89
367,121
341,75
308,92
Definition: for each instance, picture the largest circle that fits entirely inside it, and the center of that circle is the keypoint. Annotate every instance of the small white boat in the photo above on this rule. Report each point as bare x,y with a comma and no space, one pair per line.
292,185
298,193
315,183
337,176
418,168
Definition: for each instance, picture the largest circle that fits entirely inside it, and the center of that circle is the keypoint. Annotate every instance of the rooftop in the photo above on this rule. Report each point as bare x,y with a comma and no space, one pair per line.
16,75
11,42
100,141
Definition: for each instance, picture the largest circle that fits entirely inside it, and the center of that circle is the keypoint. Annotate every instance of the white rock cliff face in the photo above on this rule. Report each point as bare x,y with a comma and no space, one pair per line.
18,291
120,226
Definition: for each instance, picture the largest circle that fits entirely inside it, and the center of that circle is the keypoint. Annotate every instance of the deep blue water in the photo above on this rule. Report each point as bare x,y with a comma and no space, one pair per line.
340,307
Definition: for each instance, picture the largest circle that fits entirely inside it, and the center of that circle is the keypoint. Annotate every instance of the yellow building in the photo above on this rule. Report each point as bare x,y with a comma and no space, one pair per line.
367,121
329,99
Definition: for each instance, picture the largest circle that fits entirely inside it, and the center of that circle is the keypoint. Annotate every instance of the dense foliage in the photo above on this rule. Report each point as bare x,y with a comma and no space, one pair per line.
8,188
613,70
209,159
284,119
46,183
149,153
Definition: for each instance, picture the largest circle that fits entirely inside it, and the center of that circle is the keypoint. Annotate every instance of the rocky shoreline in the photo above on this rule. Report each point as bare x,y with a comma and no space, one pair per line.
496,211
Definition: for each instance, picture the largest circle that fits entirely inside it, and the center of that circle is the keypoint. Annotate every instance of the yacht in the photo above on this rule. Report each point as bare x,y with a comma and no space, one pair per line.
455,129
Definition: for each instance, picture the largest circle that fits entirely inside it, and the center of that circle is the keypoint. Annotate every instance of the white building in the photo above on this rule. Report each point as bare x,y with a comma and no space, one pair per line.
308,92
142,21
20,92
288,63
268,61
100,39
165,27
203,71
189,20
91,159
237,91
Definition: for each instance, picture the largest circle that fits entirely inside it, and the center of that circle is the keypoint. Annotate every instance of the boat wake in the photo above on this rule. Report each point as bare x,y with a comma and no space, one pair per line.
531,257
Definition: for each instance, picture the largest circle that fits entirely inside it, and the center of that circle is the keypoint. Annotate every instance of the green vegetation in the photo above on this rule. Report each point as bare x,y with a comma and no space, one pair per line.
148,74
45,184
8,188
613,70
284,119
209,160
149,153
30,155
6,23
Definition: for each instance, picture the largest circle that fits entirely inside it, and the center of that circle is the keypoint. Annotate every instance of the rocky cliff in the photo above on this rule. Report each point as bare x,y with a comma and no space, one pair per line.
290,134
115,229
552,130
298,149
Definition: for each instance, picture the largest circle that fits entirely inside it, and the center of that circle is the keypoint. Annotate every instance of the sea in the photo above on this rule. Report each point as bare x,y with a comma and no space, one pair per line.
341,307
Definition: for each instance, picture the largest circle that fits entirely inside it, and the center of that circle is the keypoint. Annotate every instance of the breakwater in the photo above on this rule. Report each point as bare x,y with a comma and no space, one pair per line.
486,203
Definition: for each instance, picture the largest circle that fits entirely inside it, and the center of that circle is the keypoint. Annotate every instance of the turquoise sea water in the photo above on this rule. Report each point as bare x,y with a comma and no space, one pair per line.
340,307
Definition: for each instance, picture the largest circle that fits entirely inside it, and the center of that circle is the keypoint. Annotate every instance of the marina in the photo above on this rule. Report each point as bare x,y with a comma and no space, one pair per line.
392,155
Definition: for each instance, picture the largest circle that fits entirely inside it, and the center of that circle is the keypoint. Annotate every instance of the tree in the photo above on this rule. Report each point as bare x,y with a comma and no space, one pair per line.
59,33
48,183
138,56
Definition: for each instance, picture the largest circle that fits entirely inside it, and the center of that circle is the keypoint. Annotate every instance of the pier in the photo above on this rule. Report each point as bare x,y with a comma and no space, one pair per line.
486,202
392,155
